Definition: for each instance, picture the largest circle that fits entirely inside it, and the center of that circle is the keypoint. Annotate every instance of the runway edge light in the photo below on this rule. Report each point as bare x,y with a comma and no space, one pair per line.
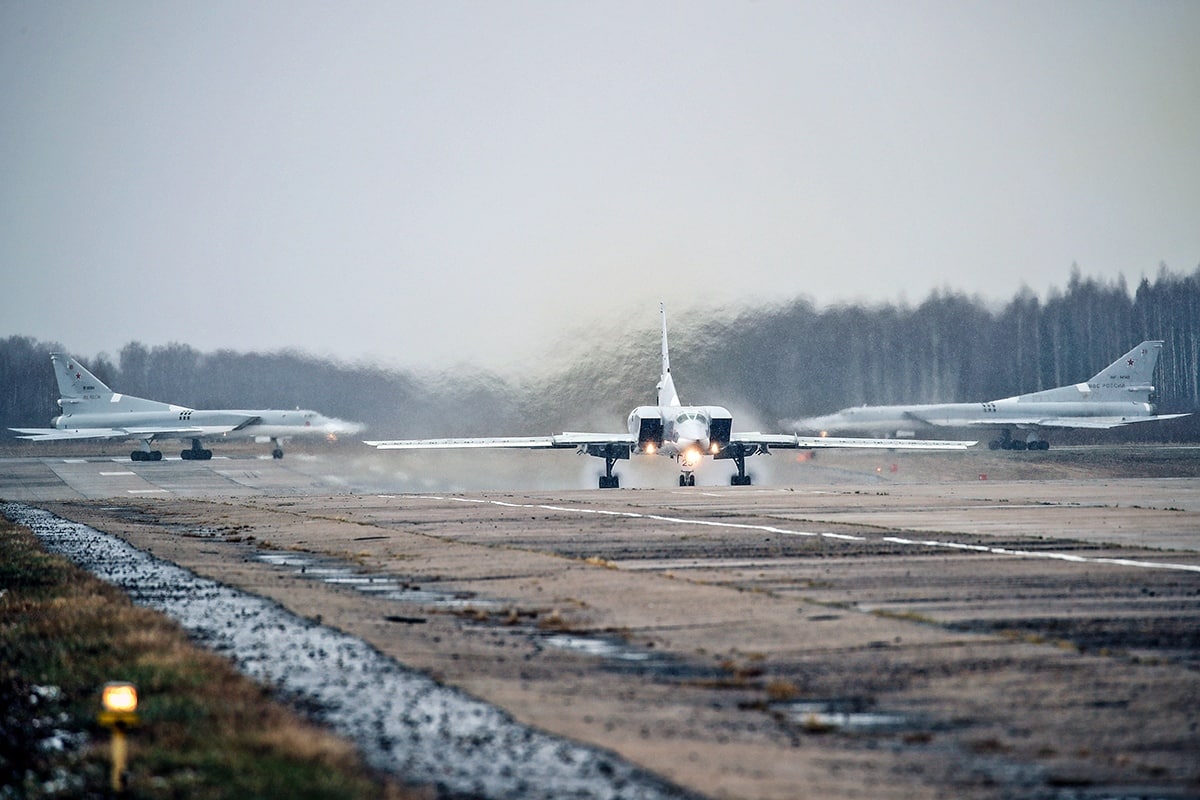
119,701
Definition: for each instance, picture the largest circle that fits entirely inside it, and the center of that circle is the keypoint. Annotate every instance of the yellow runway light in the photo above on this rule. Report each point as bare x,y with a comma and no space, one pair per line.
119,701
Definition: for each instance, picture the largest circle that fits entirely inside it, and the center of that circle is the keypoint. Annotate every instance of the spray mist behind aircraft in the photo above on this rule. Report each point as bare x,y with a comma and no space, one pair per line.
685,433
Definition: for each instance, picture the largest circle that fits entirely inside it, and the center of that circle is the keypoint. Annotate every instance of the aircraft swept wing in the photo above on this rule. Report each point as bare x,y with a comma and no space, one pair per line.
687,433
782,441
562,440
91,410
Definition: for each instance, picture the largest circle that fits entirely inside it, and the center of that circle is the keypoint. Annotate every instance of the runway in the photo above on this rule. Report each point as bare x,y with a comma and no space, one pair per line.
855,632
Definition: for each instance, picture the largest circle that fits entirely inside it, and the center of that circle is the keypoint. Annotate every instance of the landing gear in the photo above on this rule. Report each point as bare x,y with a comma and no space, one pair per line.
611,453
687,479
276,453
1006,442
738,454
146,455
196,452
608,480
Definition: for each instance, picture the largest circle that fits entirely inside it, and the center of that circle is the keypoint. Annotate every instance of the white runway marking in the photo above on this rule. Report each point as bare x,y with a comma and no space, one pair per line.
1002,551
110,474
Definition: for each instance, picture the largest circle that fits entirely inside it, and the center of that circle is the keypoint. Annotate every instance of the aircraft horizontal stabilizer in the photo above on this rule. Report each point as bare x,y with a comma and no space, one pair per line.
54,434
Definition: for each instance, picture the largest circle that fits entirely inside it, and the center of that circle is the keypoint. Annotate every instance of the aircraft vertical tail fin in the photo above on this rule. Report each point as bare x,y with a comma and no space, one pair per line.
75,383
667,396
1130,377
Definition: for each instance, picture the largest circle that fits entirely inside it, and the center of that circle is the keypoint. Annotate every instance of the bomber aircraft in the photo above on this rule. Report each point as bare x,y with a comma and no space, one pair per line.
91,410
1119,394
686,433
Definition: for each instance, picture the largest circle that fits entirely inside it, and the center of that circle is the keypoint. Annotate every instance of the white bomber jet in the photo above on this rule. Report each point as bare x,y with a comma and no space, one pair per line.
1119,394
687,433
91,410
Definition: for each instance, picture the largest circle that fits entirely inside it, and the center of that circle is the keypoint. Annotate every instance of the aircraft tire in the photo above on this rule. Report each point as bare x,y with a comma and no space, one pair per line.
154,455
995,444
277,453
186,455
610,483
206,454
1019,445
136,455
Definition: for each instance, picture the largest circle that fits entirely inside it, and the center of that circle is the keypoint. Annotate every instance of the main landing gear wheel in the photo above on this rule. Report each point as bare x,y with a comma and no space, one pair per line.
146,455
738,454
277,453
1006,443
687,479
608,480
195,454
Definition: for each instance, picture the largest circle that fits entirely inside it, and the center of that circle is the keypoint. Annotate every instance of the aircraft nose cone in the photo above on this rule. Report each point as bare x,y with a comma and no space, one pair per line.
693,433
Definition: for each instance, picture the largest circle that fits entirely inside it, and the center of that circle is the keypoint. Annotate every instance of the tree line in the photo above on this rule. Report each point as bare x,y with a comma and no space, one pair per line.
766,364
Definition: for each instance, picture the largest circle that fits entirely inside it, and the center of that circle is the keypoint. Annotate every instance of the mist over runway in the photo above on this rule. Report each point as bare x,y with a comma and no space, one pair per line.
938,628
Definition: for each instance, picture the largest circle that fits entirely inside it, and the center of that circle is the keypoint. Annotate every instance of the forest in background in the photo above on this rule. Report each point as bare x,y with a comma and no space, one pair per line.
766,364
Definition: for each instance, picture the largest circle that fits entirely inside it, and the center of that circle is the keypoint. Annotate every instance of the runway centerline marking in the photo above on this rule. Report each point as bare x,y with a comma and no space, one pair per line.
935,543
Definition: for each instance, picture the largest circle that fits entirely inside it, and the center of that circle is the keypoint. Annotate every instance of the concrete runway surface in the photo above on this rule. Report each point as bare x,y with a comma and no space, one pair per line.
866,625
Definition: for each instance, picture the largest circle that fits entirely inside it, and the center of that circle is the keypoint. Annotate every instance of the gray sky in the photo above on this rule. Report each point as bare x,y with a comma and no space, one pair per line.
450,181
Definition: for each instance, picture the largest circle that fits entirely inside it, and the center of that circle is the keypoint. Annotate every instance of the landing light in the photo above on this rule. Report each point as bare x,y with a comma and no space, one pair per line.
650,448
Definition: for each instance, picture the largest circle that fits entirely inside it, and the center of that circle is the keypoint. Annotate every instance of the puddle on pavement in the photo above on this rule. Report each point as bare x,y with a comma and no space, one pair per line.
597,647
826,715
387,587
616,654
622,657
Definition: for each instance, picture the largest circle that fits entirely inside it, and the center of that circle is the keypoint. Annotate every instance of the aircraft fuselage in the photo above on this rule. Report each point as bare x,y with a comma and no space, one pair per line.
1006,412
684,432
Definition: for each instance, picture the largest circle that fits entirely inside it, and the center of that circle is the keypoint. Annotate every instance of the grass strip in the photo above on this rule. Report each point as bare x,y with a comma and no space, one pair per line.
206,731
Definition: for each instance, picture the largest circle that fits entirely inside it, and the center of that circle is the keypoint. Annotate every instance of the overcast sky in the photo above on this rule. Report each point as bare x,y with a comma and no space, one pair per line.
446,181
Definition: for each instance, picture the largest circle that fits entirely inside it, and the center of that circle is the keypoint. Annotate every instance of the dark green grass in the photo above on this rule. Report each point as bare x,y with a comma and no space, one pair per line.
206,731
